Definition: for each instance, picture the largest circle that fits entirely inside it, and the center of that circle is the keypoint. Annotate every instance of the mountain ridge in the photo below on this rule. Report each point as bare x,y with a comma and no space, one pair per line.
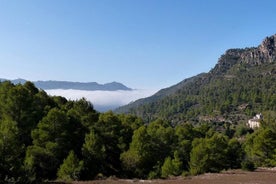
89,86
241,76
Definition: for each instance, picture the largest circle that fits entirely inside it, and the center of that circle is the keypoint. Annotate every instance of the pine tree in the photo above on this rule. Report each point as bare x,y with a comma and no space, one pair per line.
71,168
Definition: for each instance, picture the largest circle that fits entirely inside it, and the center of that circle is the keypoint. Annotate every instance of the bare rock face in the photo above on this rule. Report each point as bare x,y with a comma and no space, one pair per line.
227,60
264,53
268,48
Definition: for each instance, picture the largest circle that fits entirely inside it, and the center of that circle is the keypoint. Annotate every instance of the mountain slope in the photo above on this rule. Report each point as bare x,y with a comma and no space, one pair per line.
242,83
89,86
160,94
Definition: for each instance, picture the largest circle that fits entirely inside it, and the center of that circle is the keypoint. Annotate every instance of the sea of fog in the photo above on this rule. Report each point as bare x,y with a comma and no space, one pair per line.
103,100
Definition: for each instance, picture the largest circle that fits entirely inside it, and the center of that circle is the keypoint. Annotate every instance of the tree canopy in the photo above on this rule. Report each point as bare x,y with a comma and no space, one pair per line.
46,138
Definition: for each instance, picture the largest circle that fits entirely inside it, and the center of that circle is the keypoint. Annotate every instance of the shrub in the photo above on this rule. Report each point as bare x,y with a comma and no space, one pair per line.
248,165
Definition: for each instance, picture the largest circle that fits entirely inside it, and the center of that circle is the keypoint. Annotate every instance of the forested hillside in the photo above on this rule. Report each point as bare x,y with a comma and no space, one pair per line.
195,127
242,83
44,138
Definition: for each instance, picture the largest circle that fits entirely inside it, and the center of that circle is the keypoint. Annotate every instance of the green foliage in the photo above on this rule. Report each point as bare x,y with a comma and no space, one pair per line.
17,104
93,150
167,168
226,91
137,159
10,152
248,165
199,157
46,138
40,164
105,142
261,147
241,130
71,168
235,154
209,154
149,147
184,134
171,167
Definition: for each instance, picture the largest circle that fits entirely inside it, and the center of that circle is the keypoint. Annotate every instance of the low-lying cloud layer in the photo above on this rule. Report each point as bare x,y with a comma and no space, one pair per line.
103,100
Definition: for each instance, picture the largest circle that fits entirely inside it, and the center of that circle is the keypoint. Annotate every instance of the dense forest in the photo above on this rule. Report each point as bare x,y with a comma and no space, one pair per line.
45,138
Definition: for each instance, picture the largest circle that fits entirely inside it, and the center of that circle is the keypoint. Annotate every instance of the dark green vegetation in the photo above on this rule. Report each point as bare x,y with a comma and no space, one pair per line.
49,138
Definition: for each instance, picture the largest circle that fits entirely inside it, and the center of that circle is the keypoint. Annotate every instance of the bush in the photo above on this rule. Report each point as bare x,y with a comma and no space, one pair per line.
185,174
248,165
153,175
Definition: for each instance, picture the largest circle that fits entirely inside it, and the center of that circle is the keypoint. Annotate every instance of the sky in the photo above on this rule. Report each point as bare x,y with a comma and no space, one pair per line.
144,44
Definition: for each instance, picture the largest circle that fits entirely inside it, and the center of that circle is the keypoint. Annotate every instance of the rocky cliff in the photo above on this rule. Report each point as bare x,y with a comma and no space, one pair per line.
264,53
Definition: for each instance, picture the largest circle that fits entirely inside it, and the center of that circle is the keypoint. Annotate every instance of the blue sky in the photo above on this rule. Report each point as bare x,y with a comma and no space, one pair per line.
141,43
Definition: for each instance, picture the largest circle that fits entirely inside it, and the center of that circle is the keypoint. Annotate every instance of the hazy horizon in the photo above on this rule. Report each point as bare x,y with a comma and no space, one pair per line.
103,100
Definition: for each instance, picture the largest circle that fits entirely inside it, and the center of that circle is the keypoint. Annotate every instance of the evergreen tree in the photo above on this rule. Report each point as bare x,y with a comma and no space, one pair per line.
51,143
209,154
171,167
71,168
11,151
261,147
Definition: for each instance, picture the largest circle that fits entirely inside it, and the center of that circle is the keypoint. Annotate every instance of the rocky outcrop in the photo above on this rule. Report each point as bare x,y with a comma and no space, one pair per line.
227,60
264,53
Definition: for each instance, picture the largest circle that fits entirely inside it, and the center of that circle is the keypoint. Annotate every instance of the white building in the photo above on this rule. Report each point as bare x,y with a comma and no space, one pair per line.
255,122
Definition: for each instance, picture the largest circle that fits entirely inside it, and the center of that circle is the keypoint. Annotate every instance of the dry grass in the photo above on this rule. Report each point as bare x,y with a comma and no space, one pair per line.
260,176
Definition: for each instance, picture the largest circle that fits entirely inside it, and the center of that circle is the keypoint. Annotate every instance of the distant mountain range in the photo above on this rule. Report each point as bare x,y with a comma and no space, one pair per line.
89,86
241,84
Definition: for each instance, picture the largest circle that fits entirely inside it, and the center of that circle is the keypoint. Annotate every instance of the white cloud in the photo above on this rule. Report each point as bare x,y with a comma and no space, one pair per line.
103,100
